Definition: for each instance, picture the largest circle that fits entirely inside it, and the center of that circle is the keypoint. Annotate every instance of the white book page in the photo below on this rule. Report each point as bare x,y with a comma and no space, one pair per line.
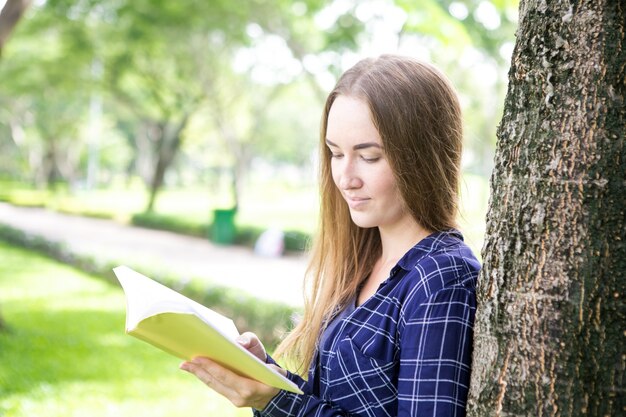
146,297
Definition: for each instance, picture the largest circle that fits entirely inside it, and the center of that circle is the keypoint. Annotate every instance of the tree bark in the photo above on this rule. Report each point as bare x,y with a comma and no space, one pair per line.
550,330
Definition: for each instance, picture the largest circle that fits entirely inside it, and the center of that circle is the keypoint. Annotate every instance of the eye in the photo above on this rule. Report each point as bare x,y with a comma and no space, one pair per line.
336,155
370,160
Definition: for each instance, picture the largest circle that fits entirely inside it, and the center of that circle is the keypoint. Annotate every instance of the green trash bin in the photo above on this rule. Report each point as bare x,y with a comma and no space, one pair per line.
223,231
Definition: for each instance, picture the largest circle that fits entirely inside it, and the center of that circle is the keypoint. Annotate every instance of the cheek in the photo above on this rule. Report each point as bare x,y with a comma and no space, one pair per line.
391,193
385,182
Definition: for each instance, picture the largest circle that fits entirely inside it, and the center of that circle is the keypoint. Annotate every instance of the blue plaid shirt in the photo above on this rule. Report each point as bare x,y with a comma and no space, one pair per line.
406,351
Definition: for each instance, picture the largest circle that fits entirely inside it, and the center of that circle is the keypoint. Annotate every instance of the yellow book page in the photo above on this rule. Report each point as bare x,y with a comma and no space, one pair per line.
186,336
178,325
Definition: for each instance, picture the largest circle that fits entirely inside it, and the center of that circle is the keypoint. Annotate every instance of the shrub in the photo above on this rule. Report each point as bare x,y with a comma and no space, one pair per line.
171,223
245,235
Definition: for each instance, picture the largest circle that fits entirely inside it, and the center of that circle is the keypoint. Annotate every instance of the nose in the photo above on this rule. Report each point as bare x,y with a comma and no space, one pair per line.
347,175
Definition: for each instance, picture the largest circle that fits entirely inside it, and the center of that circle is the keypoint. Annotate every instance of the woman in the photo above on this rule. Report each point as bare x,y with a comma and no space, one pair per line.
387,325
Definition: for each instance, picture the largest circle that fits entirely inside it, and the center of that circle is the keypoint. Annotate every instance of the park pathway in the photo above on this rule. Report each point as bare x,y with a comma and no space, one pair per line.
276,279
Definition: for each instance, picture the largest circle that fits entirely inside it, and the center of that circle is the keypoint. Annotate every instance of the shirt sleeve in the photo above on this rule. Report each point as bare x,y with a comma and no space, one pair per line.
287,404
435,354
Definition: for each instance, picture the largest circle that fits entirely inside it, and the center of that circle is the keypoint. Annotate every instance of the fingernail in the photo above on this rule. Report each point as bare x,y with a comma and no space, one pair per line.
184,366
243,340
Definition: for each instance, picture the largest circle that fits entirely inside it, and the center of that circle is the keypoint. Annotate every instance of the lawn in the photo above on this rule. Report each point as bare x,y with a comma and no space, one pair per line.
66,353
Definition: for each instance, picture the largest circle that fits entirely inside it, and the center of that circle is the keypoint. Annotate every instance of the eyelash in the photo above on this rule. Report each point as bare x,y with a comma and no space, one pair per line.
367,160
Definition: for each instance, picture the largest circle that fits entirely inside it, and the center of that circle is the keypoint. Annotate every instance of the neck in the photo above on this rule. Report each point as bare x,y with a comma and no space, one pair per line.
397,240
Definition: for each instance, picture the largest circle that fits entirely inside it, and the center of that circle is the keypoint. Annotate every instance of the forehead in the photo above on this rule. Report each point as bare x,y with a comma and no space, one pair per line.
350,122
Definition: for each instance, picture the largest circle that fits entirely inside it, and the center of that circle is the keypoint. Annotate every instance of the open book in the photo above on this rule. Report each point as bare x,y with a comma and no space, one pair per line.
184,328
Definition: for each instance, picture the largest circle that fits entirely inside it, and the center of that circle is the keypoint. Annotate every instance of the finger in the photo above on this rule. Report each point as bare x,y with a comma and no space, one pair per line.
249,340
222,379
278,369
244,340
241,391
210,374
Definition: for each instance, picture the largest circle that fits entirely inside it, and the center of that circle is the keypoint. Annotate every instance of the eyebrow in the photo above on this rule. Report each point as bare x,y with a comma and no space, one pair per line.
358,146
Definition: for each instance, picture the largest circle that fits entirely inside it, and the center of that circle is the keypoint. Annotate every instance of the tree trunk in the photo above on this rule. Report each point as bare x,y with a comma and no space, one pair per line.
550,331
168,145
50,164
11,13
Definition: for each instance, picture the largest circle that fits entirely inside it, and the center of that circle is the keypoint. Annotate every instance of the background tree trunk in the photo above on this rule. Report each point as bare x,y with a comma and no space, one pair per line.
550,330
10,14
168,144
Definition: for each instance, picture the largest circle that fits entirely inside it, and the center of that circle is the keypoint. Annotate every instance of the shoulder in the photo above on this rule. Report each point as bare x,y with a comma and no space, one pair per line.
442,262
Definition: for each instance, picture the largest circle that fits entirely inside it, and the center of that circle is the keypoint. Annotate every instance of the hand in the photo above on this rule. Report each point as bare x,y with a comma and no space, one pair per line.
241,391
251,342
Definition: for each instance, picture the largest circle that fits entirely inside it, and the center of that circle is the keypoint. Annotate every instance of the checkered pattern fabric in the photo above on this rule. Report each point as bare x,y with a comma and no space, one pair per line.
404,352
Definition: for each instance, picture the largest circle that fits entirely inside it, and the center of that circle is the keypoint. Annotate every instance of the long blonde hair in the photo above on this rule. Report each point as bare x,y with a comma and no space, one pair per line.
417,114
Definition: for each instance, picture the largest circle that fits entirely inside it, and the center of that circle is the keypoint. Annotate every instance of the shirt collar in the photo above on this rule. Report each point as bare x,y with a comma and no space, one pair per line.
429,244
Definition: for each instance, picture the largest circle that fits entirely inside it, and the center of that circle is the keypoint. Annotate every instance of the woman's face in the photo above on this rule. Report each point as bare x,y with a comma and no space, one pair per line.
359,167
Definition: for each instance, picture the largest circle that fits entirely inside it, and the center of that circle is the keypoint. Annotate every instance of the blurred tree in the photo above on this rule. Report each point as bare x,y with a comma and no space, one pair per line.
48,65
298,25
549,334
154,68
159,63
476,33
270,48
237,117
56,123
10,14
483,24
298,125
284,38
163,62
176,61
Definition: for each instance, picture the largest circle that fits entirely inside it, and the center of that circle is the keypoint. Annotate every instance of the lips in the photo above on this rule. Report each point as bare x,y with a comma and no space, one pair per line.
356,202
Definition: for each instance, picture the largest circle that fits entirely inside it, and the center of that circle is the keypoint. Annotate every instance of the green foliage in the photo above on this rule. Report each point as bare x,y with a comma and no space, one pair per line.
245,235
65,353
23,195
294,240
172,223
470,28
285,136
297,241
433,20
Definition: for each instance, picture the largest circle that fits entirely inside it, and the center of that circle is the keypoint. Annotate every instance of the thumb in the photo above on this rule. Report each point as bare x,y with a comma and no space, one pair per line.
243,340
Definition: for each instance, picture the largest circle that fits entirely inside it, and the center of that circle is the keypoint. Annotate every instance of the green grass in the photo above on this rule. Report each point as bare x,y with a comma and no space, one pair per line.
65,352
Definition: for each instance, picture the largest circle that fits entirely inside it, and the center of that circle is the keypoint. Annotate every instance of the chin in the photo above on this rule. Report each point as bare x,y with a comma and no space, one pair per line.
363,223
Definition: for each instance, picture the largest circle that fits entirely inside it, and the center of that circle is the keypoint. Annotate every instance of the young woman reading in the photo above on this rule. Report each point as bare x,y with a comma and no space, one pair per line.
388,316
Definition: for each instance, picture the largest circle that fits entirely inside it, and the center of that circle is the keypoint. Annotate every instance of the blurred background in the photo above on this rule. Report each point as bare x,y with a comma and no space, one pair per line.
200,118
